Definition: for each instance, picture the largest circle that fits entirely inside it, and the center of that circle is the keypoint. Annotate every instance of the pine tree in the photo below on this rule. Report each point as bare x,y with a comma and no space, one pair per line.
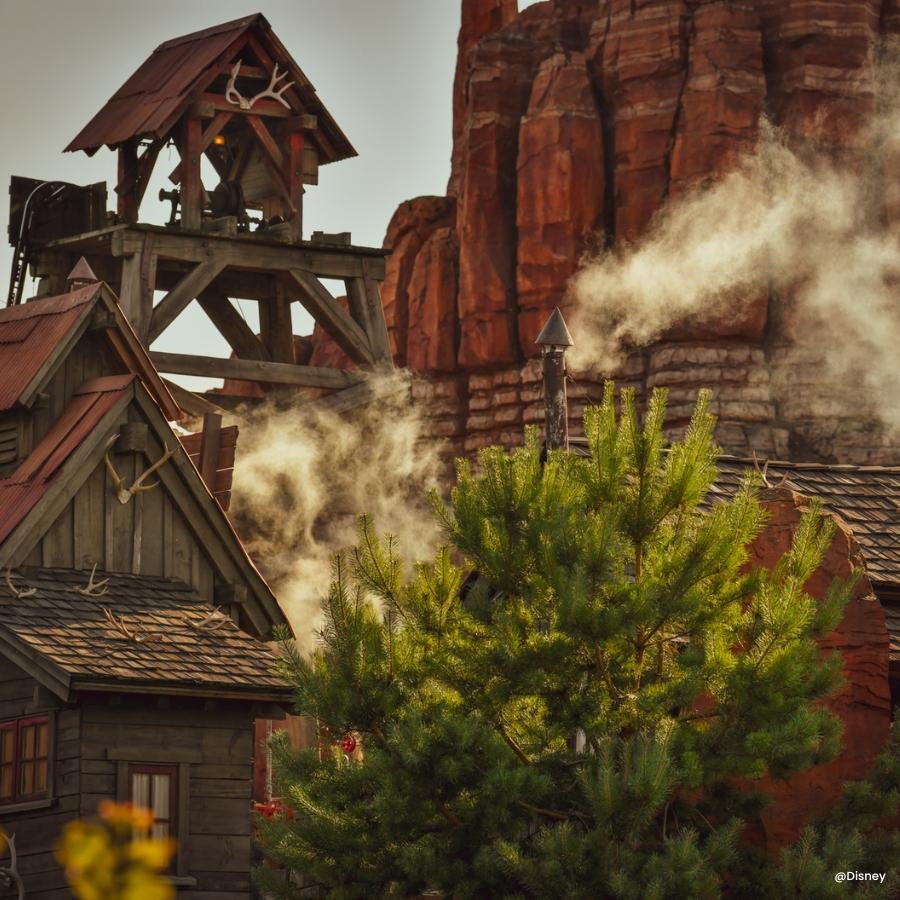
562,703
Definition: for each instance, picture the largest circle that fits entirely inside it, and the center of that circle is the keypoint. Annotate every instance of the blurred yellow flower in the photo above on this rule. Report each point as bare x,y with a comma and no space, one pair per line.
105,861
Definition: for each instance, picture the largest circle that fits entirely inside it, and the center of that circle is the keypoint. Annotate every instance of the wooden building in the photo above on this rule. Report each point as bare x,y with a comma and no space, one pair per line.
133,661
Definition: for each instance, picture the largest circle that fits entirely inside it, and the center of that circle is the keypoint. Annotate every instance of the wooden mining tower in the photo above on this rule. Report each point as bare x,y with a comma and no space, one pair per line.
233,95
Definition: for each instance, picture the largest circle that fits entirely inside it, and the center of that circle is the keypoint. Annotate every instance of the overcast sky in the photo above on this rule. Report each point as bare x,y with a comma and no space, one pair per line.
384,68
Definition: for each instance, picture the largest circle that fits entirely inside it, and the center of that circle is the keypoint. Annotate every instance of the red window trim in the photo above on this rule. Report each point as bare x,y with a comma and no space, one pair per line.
15,726
172,772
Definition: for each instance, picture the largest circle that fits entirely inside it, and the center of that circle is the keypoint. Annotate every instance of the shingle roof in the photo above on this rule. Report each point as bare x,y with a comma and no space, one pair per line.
148,103
174,651
867,498
22,490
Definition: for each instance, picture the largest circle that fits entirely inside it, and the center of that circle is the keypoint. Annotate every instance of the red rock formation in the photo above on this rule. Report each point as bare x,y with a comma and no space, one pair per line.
560,175
479,18
863,704
574,122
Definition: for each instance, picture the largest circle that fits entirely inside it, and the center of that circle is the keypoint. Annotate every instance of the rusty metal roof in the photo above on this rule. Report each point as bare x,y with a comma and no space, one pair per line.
178,641
151,100
25,487
33,338
30,335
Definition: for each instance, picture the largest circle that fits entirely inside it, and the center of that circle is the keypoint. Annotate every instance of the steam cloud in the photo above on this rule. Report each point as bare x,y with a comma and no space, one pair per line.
303,475
815,232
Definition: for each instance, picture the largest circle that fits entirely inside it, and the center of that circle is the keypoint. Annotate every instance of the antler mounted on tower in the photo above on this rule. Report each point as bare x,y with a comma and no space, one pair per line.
233,95
124,494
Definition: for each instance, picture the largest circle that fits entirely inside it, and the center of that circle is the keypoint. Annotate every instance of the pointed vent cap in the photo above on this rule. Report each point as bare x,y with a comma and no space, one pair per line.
81,275
555,333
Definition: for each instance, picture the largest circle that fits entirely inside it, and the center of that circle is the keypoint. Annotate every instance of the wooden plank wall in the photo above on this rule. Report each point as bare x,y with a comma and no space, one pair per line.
216,742
37,830
96,528
91,358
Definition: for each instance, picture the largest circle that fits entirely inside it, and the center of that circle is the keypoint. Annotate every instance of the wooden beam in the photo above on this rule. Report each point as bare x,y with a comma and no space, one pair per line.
328,313
127,175
276,327
306,122
377,331
191,403
210,441
273,159
191,184
271,109
231,325
294,177
266,141
253,253
220,120
177,300
256,370
344,401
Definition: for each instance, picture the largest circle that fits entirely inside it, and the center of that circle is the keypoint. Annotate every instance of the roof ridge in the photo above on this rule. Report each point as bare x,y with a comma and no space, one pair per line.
243,22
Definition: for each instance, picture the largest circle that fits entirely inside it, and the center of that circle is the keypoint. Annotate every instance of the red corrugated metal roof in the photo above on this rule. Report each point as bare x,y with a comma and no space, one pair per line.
29,335
22,490
178,70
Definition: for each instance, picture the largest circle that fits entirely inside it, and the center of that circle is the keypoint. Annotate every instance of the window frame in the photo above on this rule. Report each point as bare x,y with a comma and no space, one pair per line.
126,763
137,768
15,725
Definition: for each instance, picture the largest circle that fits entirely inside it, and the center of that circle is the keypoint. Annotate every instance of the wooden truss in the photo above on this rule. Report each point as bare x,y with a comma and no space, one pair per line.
214,269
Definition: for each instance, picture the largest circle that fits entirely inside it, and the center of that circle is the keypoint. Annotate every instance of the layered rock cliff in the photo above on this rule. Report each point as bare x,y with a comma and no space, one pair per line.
574,122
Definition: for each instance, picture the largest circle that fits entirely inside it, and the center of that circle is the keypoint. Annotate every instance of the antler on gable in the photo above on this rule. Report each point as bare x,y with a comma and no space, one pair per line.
123,493
233,95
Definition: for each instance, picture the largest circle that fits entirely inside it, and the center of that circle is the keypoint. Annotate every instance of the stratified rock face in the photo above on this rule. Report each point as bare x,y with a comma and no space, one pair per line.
574,122
863,704
560,183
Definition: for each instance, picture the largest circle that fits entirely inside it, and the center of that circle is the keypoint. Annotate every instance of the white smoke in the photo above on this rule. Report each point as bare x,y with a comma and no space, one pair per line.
817,232
303,475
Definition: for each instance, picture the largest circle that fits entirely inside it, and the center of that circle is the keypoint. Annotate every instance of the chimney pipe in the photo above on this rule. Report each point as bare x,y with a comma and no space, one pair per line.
554,340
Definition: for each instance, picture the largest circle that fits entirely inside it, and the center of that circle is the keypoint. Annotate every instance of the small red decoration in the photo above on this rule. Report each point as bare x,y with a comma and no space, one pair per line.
348,744
274,808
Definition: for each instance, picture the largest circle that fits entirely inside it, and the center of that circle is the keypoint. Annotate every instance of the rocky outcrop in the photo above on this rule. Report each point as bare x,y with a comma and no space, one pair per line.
574,122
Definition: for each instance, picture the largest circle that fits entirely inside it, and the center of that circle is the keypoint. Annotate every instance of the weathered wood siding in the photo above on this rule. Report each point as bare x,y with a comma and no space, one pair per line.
91,358
214,745
146,536
37,830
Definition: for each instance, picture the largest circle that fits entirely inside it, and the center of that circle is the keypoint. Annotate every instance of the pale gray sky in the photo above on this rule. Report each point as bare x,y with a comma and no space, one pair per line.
384,68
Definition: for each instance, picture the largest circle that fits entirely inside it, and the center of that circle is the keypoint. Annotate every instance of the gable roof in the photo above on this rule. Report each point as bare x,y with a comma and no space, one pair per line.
153,98
35,337
20,493
42,485
66,640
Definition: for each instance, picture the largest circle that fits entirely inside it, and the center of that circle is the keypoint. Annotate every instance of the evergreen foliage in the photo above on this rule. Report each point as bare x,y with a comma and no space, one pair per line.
581,718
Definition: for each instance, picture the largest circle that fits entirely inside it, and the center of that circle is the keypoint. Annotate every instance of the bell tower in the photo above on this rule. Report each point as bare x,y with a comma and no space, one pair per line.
231,95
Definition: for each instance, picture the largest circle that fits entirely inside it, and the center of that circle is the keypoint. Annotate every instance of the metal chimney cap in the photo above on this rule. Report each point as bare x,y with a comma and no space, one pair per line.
555,333
81,274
